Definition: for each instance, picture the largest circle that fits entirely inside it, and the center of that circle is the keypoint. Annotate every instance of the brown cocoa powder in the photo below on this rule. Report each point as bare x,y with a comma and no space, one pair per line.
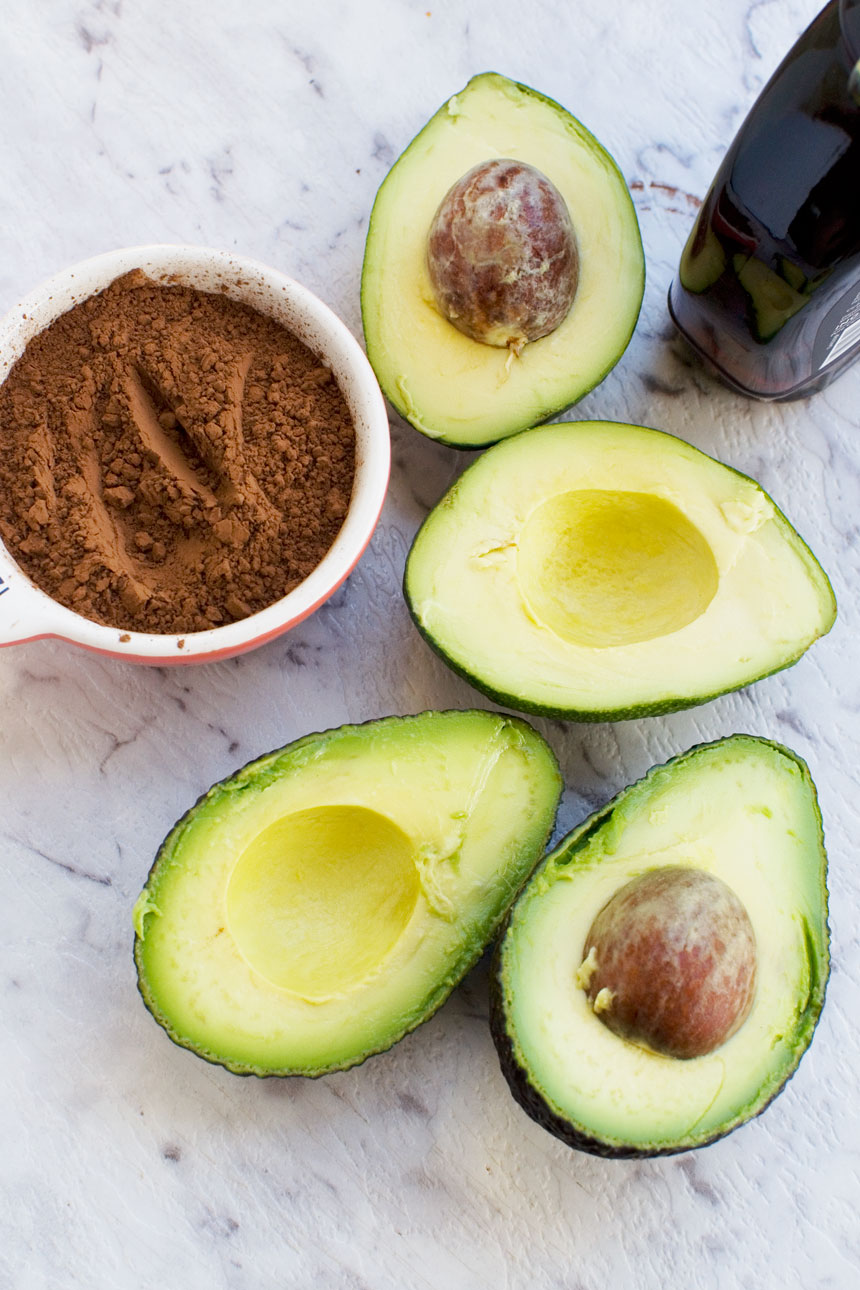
170,460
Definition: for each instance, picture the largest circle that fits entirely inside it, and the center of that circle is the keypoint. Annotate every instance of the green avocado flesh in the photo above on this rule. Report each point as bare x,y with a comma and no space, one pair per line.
742,809
596,571
447,385
326,899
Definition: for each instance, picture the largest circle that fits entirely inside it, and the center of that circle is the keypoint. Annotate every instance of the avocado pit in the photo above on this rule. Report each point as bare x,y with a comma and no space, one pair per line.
670,962
502,255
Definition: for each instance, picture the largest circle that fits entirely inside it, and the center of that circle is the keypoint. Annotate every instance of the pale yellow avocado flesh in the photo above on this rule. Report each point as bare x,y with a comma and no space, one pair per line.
743,809
320,898
449,386
595,569
604,567
323,901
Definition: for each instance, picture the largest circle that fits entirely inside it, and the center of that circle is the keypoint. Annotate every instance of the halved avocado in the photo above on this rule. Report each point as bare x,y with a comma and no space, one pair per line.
447,385
595,571
742,810
323,901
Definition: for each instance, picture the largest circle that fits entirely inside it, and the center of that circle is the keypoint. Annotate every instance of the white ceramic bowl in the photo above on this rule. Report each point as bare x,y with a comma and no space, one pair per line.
26,613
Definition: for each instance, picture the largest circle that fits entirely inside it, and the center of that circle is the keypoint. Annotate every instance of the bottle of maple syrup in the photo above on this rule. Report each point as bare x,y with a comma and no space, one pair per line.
768,289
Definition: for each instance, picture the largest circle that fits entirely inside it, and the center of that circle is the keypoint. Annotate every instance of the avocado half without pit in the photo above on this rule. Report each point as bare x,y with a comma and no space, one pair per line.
323,901
596,571
503,272
662,973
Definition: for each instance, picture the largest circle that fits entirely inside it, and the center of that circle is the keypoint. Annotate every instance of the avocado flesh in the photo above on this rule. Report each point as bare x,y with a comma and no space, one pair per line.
325,900
595,571
447,385
743,809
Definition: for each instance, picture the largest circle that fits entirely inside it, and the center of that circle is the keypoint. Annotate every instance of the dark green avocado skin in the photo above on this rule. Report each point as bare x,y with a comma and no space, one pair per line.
517,1077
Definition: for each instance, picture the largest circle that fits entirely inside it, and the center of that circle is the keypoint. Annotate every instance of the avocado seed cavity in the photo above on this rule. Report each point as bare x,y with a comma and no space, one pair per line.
502,256
670,962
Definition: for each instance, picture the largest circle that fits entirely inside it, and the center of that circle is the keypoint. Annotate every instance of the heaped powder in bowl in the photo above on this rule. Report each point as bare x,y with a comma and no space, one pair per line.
170,460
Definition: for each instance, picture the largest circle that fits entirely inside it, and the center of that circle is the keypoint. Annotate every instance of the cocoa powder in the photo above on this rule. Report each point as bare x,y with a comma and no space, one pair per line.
171,460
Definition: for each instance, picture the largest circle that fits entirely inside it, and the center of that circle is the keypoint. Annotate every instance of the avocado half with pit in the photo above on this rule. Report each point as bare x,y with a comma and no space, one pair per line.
447,384
595,571
326,899
648,891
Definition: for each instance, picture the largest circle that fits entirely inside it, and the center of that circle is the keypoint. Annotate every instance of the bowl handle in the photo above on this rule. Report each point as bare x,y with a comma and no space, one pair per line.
25,612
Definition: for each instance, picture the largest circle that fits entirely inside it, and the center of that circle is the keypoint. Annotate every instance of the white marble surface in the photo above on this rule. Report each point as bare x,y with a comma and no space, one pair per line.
127,1163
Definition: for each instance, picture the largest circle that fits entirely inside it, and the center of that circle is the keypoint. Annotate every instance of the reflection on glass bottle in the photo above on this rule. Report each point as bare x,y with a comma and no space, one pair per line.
769,283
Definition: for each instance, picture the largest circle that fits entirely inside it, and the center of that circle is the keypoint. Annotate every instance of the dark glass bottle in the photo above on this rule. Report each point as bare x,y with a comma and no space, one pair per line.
769,283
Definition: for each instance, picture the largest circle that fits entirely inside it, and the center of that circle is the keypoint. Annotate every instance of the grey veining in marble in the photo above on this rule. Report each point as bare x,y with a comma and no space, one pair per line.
128,1164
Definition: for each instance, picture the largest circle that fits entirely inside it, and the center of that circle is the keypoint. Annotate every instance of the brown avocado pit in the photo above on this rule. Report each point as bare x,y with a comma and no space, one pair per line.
502,255
670,962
